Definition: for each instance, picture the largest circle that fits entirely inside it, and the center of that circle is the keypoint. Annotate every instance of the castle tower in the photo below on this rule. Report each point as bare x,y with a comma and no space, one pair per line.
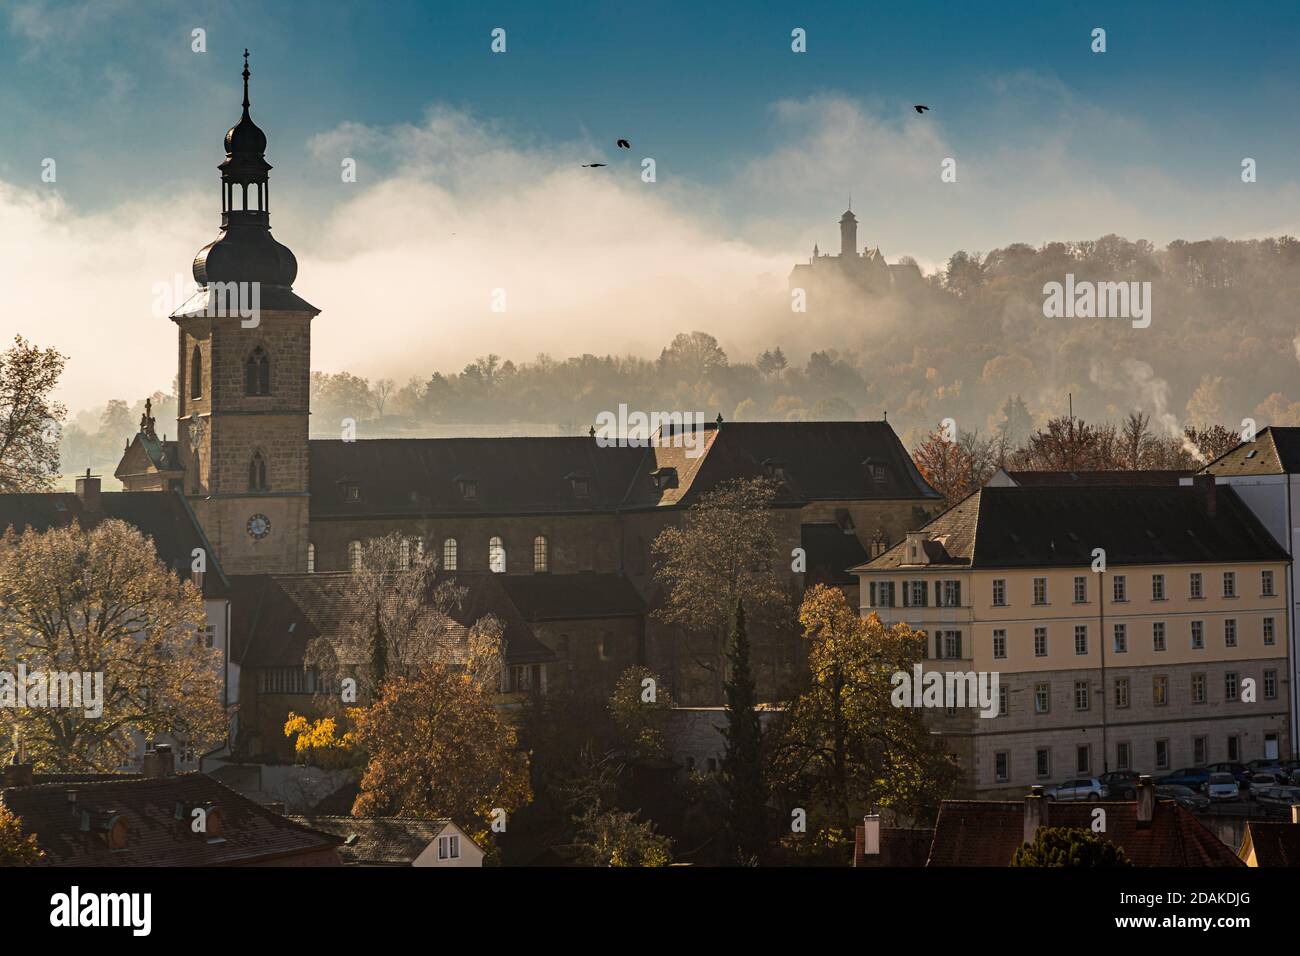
848,234
244,370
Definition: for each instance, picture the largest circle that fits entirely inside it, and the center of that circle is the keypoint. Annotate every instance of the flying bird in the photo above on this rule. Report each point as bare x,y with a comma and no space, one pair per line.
919,108
592,165
624,144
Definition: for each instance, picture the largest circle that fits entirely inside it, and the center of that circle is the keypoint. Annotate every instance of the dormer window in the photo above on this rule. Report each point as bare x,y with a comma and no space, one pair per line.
664,478
775,469
580,483
875,470
468,488
351,491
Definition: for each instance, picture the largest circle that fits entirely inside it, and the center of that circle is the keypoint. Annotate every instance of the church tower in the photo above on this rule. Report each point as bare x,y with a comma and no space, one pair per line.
244,370
848,234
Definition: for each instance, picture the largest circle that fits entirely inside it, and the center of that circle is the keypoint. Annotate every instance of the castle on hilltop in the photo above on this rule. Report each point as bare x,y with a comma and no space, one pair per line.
852,273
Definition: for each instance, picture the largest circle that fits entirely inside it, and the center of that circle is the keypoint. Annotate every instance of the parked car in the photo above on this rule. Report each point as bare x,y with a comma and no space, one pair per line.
1081,788
1261,780
1183,796
1267,765
1281,796
1121,784
1194,778
1238,770
1222,786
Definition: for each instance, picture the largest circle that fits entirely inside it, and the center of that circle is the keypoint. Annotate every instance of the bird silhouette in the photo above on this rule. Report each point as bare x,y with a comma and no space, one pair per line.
624,144
592,165
919,108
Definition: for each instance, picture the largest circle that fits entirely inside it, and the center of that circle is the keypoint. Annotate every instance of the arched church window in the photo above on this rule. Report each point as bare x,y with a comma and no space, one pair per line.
257,373
196,374
354,555
496,555
311,556
541,554
257,473
449,557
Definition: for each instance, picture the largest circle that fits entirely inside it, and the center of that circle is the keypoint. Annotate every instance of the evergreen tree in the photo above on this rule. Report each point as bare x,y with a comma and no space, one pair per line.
1069,847
378,653
742,771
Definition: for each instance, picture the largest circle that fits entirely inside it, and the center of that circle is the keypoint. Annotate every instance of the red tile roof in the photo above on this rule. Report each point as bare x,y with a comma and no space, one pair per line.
250,833
1275,844
988,833
899,846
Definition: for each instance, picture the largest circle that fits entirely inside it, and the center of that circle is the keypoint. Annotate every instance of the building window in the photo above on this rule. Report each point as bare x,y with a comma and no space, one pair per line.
449,847
257,373
522,678
999,592
286,680
1157,587
1081,695
1162,755
881,593
914,594
1159,690
1234,748
605,647
540,554
1266,583
1080,589
1230,687
311,557
1123,755
1269,633
210,637
1043,763
1158,635
1229,584
999,644
1198,688
354,555
1083,758
1121,638
1000,766
1040,590
1042,698
1230,632
196,374
404,555
1081,639
497,555
1120,588
1004,701
1194,588
948,645
1198,751
257,473
449,554
468,488
947,593
1198,635
1040,642
1270,685
1121,692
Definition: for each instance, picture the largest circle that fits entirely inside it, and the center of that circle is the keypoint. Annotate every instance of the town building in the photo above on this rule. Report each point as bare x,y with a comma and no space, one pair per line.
1172,652
398,841
1268,843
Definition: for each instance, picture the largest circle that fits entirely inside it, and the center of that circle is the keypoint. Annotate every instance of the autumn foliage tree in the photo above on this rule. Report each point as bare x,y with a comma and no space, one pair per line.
16,847
29,417
100,602
842,744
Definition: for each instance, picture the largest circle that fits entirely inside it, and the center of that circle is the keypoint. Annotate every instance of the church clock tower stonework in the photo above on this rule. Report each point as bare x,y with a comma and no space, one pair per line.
244,373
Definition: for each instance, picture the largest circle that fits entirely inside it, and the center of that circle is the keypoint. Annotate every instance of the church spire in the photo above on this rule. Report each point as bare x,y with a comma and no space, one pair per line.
247,75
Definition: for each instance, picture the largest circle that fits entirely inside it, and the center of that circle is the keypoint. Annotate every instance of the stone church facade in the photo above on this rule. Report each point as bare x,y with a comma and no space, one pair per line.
561,524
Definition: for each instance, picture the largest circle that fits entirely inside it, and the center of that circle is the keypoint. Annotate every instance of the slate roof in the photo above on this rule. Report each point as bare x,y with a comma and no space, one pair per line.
163,516
1275,844
830,551
274,617
1076,479
988,833
419,477
1059,527
250,833
899,846
562,597
392,841
1275,451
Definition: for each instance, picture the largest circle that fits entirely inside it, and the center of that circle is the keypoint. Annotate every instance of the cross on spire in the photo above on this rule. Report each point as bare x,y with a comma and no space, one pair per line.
246,76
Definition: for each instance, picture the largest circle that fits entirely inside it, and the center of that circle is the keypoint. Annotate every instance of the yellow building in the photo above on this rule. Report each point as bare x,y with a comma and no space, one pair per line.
1127,628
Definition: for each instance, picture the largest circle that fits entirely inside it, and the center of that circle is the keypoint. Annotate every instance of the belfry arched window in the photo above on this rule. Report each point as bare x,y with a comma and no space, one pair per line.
257,373
496,555
257,473
196,374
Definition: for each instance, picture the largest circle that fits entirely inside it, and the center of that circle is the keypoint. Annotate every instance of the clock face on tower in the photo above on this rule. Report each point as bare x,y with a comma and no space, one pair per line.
259,526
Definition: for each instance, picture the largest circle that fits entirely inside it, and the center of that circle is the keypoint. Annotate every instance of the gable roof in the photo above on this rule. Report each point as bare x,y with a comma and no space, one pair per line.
419,477
395,841
250,833
988,833
1059,527
1275,451
1068,479
276,616
1275,844
165,517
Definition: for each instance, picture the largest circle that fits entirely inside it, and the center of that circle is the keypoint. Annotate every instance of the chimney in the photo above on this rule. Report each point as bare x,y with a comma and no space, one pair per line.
88,491
1146,801
159,761
18,774
1035,812
871,834
1206,493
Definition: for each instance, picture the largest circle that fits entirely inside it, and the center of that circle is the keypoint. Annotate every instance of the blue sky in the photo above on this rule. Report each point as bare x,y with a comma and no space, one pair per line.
469,161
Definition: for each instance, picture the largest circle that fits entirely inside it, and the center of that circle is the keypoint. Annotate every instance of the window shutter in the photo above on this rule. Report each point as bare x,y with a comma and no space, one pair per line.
907,594
958,633
872,591
956,593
